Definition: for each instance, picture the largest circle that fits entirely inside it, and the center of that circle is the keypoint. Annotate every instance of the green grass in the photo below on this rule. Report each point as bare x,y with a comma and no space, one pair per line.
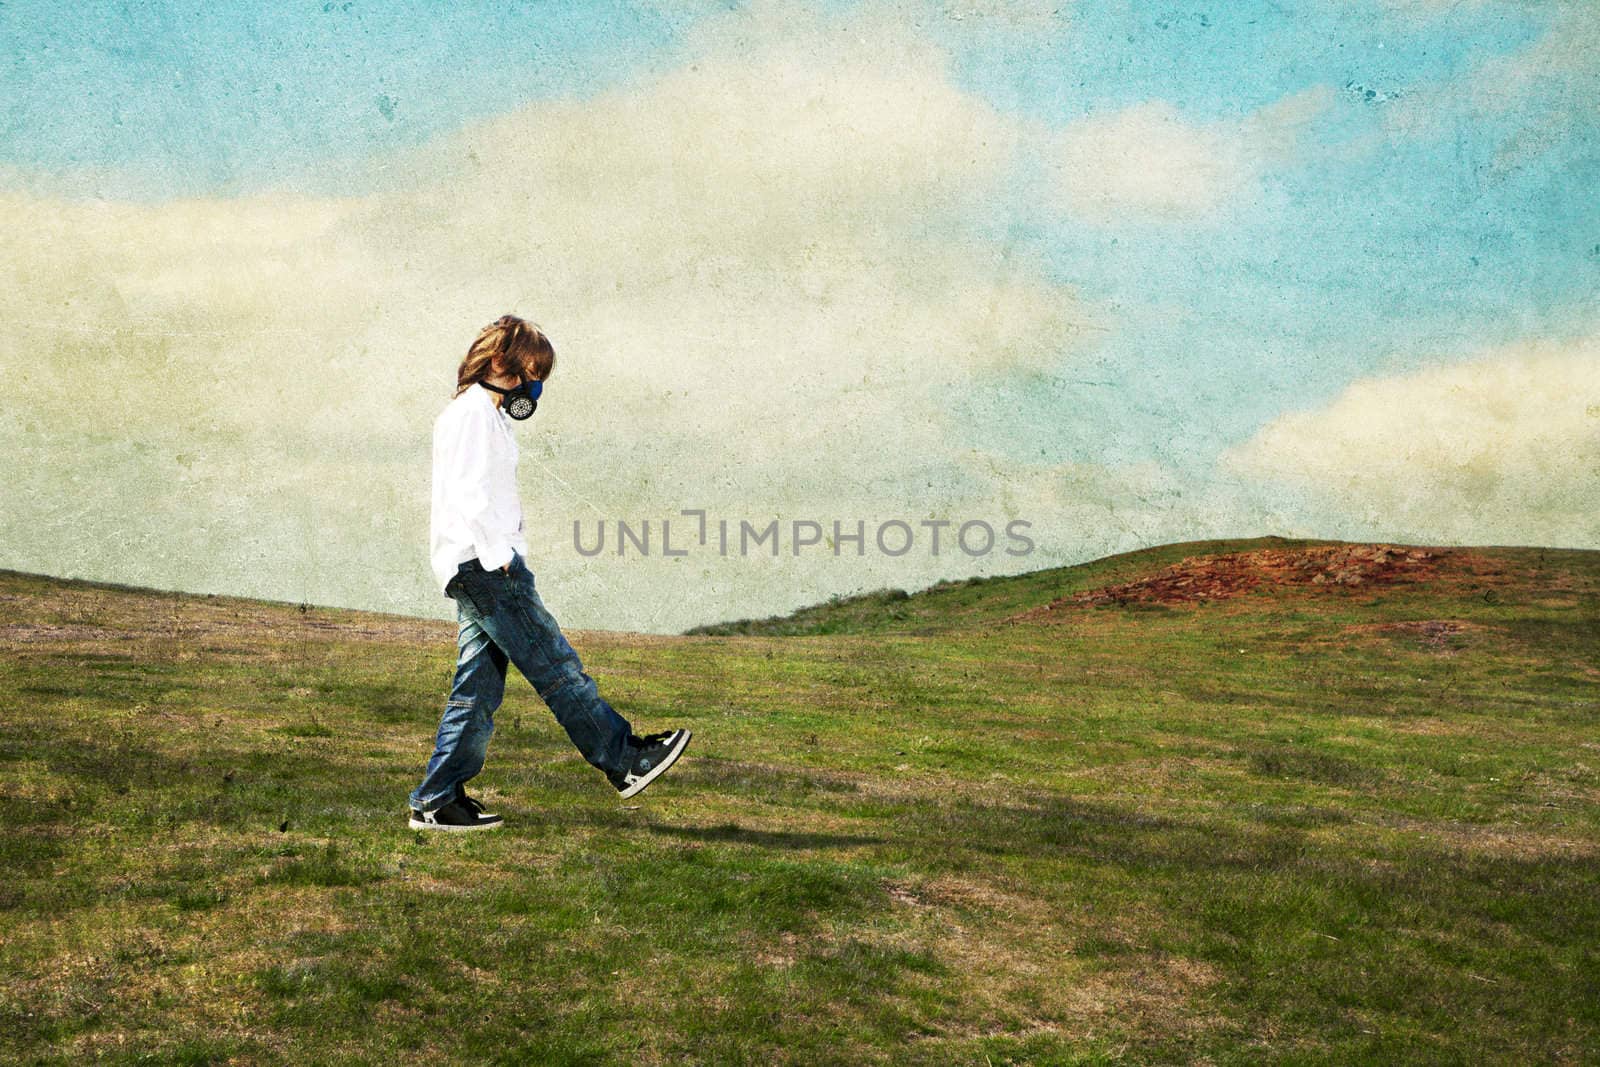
1270,829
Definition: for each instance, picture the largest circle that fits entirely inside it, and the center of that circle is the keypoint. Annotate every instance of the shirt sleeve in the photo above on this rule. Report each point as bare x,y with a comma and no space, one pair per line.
469,454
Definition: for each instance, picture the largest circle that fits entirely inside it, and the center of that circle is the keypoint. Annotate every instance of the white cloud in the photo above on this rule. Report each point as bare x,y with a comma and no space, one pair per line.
1147,161
760,271
1501,448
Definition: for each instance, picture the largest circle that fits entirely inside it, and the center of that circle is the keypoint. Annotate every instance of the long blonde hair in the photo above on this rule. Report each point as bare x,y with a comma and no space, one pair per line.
505,346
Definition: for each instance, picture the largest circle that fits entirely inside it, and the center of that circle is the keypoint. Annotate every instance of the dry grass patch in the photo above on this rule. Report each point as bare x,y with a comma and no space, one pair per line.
1014,959
1153,774
1444,637
1484,840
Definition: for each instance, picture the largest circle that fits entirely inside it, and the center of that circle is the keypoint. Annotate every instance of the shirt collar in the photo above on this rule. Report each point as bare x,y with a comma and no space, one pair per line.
488,398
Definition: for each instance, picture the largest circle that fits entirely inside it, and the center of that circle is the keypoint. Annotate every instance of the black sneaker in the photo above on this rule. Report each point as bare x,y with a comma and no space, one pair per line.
453,816
472,804
652,754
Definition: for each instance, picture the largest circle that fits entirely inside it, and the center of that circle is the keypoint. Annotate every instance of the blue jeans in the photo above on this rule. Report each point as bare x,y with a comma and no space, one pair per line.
502,620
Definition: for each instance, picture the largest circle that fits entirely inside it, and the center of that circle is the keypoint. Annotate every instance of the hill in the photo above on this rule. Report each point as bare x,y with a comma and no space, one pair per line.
1187,573
1186,805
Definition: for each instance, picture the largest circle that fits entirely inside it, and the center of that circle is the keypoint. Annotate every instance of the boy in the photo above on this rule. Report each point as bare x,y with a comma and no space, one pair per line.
479,560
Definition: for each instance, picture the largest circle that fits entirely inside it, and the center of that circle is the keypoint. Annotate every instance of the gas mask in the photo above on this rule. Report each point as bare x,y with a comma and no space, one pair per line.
520,402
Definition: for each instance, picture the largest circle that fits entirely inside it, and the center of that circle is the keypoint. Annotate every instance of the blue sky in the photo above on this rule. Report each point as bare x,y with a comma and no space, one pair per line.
191,99
1429,198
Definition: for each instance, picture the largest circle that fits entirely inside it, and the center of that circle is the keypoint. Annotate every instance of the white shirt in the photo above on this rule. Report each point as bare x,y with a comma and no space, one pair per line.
476,509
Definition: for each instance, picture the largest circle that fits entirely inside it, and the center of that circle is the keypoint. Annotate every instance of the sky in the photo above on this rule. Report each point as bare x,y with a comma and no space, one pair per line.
1125,273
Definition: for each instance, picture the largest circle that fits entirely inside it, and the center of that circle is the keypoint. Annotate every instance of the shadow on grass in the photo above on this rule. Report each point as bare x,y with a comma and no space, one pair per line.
756,780
735,834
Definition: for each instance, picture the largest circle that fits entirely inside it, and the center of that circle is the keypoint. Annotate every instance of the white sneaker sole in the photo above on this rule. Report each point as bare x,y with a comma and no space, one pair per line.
423,824
668,760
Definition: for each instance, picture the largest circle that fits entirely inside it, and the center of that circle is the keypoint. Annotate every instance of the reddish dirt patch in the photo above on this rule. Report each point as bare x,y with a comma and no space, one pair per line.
1320,568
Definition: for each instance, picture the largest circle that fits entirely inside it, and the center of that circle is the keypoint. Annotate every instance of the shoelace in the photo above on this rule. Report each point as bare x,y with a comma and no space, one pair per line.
471,804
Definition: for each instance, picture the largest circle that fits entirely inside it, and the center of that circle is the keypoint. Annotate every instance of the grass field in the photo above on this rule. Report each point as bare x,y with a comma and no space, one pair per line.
1311,824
